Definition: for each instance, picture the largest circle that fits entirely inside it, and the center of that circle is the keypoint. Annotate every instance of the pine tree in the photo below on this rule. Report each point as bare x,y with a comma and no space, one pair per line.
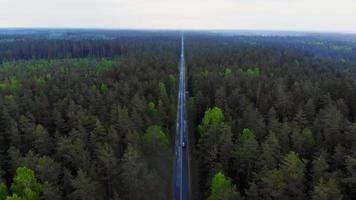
303,141
246,154
253,119
107,165
326,190
42,142
287,181
84,187
293,169
320,167
301,118
351,176
271,153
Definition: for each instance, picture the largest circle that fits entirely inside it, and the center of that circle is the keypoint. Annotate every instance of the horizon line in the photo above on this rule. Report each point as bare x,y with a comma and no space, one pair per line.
179,29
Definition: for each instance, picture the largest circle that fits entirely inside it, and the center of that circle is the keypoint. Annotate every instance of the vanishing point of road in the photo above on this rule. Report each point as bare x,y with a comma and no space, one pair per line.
181,174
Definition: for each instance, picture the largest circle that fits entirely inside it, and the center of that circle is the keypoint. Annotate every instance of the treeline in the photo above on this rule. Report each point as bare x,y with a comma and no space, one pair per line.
49,44
89,128
270,123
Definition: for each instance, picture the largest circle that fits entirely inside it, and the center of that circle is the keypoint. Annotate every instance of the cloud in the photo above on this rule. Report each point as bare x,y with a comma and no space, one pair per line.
313,15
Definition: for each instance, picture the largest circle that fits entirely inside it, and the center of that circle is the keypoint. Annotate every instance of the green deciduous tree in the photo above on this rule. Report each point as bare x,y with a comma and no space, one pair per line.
14,197
223,189
25,185
212,117
215,144
151,108
154,134
227,73
104,89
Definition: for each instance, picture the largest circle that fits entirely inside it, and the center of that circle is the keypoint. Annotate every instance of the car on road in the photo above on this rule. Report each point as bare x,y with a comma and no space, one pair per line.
184,144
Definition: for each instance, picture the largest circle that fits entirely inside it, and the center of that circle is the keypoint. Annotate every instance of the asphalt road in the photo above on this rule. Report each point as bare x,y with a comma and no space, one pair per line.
181,174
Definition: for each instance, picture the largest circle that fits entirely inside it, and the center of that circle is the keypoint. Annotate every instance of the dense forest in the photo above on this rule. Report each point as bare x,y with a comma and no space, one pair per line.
90,115
272,121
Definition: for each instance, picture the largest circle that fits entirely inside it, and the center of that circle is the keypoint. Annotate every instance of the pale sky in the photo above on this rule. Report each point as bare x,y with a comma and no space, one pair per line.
300,15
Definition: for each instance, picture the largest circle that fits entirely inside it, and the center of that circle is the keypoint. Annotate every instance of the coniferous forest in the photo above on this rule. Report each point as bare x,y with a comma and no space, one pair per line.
91,115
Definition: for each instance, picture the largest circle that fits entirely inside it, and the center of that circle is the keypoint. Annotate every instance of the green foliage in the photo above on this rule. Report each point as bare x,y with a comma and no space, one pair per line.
10,84
351,172
40,82
191,109
2,86
307,137
251,72
303,141
151,108
104,89
212,117
293,168
247,137
13,83
163,102
286,182
15,197
246,152
42,70
90,147
223,189
25,185
274,183
42,141
105,65
84,187
162,87
9,99
320,167
3,191
227,73
326,190
154,134
173,80
271,152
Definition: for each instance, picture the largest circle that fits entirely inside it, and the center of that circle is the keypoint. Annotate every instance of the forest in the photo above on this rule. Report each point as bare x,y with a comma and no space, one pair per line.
91,115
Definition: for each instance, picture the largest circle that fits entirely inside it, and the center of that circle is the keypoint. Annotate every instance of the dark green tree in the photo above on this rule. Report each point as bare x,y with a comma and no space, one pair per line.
245,154
42,142
326,190
85,187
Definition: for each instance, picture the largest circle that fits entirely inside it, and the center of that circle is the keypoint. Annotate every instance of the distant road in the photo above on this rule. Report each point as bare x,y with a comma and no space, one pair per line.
181,174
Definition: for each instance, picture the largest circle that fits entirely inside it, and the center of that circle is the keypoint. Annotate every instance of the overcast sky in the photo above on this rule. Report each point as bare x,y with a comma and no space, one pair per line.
304,15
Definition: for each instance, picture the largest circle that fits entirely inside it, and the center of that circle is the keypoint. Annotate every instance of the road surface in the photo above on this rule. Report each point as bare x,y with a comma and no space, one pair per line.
181,174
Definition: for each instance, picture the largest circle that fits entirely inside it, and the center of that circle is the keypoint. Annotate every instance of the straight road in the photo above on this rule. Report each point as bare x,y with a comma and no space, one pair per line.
181,174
